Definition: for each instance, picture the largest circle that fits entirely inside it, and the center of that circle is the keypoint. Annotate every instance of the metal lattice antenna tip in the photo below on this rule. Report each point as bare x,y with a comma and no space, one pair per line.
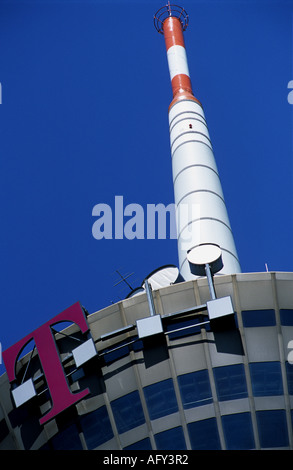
167,11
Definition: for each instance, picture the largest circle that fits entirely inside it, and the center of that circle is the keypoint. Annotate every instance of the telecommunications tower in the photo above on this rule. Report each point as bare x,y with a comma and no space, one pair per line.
203,227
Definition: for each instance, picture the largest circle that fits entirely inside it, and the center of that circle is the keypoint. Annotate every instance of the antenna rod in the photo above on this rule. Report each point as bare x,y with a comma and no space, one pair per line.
123,279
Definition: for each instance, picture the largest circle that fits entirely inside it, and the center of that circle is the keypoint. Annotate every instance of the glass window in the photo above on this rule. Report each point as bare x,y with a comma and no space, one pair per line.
137,345
292,418
272,428
238,431
96,427
116,352
172,439
128,412
258,318
195,389
204,435
289,369
266,378
145,444
189,328
77,374
286,316
68,439
161,399
230,382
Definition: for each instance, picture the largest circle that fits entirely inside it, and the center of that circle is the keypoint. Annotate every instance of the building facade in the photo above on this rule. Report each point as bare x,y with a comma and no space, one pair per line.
194,385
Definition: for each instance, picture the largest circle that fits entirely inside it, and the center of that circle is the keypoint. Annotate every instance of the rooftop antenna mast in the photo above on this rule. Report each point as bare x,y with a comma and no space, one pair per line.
123,279
202,218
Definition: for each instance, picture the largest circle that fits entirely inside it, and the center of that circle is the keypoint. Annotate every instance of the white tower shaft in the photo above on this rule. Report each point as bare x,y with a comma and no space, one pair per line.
202,216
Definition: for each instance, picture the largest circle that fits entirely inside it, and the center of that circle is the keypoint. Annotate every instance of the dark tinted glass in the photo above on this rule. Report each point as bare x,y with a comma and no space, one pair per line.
96,427
272,428
204,435
161,399
145,444
195,389
128,412
68,439
230,382
238,431
172,439
289,370
286,316
258,318
266,378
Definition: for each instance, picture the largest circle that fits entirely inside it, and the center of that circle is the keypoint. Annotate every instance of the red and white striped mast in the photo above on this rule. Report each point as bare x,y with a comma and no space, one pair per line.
202,219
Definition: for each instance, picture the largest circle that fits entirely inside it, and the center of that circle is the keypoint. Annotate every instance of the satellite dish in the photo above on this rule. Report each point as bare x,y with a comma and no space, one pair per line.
201,255
134,292
164,276
161,277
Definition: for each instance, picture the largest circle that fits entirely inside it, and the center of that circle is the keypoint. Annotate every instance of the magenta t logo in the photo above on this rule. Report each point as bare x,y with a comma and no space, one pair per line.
61,395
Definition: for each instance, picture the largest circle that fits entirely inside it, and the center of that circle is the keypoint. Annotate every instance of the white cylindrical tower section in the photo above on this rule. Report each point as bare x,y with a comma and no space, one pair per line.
202,216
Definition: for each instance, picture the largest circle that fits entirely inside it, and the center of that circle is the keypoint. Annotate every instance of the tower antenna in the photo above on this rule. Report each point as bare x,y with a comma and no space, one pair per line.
123,279
202,218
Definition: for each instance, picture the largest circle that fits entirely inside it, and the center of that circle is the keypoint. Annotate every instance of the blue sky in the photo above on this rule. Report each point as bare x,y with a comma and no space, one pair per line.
84,117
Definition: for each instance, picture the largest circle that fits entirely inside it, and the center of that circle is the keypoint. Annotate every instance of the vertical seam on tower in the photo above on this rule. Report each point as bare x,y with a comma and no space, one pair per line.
246,363
282,359
140,392
175,378
216,404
